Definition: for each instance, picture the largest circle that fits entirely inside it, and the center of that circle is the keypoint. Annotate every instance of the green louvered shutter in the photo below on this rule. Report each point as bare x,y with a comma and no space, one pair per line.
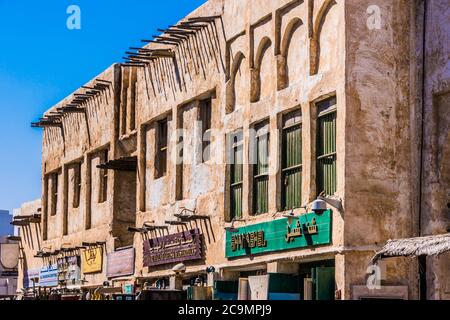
236,180
292,162
326,147
261,175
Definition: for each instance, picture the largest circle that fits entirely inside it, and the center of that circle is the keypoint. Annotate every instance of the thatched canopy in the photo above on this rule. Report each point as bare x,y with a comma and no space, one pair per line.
429,246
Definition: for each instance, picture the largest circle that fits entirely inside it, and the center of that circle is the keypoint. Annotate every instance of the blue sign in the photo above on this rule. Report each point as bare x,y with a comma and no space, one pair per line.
48,276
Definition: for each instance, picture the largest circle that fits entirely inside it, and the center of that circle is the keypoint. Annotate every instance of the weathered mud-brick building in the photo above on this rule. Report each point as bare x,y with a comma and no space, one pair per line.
86,209
210,146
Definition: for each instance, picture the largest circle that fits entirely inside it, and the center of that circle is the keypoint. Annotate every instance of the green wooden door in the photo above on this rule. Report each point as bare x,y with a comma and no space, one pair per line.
324,283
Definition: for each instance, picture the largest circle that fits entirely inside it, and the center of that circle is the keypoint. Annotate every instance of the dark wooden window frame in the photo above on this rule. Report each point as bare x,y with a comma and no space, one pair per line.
288,170
326,108
54,193
261,206
161,158
103,177
236,182
77,180
205,116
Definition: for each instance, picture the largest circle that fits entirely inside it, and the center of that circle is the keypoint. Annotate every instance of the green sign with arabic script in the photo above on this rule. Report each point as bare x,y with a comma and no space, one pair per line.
305,231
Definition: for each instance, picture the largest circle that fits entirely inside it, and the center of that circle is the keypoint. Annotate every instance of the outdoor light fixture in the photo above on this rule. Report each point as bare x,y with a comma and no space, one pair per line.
336,203
319,206
179,268
231,228
210,269
290,216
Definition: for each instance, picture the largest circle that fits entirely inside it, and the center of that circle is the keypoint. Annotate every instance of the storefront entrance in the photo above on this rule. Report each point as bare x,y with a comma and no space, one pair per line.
312,281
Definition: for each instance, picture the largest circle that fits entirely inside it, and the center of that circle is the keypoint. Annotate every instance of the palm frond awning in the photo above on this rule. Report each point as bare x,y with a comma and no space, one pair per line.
420,246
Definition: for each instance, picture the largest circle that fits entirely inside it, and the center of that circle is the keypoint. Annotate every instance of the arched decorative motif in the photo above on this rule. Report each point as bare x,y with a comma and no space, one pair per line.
231,90
264,45
315,37
283,74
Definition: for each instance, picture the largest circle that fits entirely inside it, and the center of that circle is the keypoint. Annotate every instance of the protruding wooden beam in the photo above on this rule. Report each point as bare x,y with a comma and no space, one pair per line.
168,39
175,223
90,88
185,34
140,49
73,110
187,27
107,82
129,65
164,54
205,19
161,42
137,230
194,24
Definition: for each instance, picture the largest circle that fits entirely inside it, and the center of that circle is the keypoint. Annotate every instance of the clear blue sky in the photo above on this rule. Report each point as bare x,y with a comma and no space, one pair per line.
42,61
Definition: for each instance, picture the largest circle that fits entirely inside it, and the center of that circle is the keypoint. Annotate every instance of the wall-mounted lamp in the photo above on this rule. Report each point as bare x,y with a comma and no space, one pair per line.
319,206
210,269
336,203
231,228
290,216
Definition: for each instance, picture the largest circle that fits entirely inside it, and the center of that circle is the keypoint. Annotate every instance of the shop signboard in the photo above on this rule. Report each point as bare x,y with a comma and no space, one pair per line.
69,269
92,260
305,231
48,276
9,256
120,263
179,247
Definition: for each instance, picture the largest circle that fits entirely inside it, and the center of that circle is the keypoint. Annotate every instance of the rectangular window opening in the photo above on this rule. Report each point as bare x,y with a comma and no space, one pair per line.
161,152
261,169
205,118
103,191
326,176
76,185
236,176
292,164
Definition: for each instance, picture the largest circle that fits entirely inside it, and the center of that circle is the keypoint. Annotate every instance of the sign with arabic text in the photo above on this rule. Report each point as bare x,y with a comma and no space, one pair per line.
179,247
48,277
92,260
306,231
120,263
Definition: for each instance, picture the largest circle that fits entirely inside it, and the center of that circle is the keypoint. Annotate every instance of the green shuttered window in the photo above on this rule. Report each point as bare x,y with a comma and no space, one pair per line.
292,161
261,171
236,179
326,147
